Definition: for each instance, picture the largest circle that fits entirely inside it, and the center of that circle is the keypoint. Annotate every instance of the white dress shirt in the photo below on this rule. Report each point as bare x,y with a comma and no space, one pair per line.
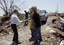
15,19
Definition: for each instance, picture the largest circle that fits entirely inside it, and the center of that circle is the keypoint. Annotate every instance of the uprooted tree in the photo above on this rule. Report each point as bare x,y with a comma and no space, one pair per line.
8,6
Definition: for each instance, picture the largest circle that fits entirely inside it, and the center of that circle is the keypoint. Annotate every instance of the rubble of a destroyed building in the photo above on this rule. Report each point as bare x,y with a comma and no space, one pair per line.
5,28
49,36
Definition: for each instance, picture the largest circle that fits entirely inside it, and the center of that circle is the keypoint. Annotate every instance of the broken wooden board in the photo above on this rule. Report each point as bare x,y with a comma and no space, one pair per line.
58,31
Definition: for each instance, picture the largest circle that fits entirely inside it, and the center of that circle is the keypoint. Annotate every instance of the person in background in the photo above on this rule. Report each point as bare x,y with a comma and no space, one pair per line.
15,20
31,25
26,17
37,26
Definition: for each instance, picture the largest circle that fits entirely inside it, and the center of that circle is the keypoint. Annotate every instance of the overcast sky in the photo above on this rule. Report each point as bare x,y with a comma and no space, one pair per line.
49,5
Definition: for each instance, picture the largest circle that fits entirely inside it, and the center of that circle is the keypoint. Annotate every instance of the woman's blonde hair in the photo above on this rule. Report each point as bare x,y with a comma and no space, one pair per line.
34,8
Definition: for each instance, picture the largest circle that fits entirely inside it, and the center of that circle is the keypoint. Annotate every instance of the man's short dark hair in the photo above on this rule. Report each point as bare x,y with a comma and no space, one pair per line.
15,11
24,10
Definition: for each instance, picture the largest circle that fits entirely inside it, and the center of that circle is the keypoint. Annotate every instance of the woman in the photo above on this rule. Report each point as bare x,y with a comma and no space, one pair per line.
31,25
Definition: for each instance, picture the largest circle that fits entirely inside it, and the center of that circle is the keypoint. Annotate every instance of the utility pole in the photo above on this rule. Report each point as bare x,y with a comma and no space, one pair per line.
57,11
57,8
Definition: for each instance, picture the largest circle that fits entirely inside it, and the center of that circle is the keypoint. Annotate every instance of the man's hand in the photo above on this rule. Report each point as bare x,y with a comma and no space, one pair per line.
25,20
17,24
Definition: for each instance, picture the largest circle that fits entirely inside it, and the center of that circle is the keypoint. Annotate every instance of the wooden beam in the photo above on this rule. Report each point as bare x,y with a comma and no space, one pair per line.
58,31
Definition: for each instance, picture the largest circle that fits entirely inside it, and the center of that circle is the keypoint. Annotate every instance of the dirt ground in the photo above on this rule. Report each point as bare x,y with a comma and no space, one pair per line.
24,35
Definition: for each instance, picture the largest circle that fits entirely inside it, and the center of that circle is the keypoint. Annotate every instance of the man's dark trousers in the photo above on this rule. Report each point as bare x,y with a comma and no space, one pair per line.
14,29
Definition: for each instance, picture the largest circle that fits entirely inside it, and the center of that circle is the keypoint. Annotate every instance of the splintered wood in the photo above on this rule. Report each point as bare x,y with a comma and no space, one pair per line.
58,31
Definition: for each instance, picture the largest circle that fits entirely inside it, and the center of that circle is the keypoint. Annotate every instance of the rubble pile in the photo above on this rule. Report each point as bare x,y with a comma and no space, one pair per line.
5,28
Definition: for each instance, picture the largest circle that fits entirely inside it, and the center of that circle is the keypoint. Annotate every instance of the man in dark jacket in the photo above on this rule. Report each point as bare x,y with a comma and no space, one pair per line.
37,26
